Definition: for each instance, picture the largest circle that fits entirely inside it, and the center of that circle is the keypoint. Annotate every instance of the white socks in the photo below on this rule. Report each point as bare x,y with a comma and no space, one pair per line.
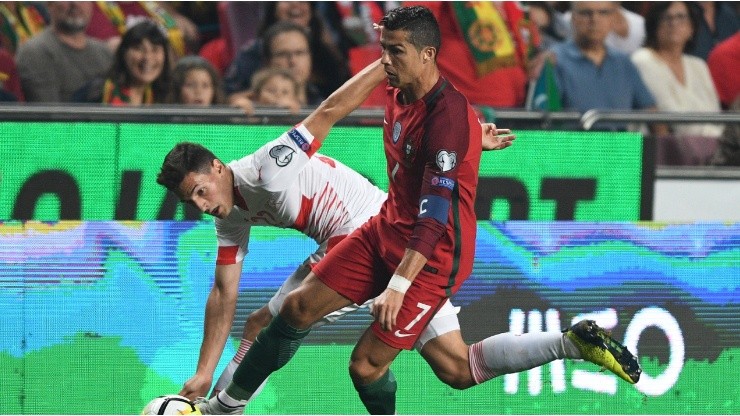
509,353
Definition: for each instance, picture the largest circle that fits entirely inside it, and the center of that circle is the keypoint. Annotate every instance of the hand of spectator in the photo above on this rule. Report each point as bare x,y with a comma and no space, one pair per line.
534,65
496,139
243,101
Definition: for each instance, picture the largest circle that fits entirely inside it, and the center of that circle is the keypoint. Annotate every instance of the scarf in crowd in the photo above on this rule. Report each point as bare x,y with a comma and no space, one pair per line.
19,25
116,16
117,95
495,40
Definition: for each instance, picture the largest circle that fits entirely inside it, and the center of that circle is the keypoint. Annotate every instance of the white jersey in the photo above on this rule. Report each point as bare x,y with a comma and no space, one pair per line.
285,184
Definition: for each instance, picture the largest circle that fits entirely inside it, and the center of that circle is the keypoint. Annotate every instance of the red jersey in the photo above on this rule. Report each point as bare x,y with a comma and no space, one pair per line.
433,151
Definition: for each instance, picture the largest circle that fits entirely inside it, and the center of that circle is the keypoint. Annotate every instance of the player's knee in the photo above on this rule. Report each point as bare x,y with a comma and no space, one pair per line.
363,371
296,309
452,370
459,380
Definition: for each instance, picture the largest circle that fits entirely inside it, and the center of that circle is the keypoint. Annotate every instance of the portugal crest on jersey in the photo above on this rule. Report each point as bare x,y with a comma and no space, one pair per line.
282,155
396,131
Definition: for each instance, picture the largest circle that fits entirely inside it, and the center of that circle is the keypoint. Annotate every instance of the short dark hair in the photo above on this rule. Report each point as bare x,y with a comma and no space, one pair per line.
418,21
184,158
657,10
285,26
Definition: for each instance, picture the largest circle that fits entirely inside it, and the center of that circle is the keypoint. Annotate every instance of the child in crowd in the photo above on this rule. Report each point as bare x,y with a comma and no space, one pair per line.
195,82
275,87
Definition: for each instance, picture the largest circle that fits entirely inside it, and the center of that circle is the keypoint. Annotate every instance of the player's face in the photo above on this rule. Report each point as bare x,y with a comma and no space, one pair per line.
210,192
403,63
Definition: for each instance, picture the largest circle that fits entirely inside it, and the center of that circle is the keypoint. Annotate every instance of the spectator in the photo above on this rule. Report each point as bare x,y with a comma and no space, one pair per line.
552,25
679,82
718,22
10,84
111,19
589,74
195,82
486,72
276,87
329,68
19,21
286,45
61,59
628,32
724,61
728,149
140,73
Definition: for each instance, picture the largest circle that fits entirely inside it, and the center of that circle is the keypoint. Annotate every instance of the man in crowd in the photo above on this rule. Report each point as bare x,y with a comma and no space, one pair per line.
61,59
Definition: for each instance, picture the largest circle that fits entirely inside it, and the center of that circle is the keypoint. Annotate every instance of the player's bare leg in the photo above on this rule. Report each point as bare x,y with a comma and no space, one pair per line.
371,375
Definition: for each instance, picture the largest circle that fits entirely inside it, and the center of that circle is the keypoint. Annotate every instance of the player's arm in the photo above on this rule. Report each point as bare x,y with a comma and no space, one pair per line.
220,310
343,101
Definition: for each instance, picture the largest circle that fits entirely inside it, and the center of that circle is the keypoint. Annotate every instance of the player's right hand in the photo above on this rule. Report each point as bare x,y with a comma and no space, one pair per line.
197,386
385,308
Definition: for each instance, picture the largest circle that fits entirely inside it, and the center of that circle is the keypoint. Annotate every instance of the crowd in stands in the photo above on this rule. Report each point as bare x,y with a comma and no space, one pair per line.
551,56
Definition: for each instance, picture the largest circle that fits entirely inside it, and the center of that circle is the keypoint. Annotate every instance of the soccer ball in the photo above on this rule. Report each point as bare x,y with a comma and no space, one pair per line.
170,404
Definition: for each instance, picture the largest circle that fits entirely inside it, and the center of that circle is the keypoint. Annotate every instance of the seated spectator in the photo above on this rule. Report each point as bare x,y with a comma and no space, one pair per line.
110,20
678,81
195,82
551,23
140,73
590,75
276,87
19,21
628,32
61,59
287,47
728,149
724,61
10,83
718,22
491,69
329,68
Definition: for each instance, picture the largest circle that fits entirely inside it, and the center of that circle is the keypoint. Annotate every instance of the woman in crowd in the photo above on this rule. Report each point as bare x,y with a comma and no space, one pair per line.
678,81
195,82
141,67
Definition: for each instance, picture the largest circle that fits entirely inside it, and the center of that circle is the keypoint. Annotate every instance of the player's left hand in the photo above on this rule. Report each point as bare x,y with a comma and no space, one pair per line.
495,138
385,308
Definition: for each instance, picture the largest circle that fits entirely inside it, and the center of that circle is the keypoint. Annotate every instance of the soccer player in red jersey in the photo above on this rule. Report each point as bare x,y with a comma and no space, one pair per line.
416,252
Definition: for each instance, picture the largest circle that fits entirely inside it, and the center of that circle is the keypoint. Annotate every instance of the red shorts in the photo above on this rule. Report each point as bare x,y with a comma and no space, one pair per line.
360,267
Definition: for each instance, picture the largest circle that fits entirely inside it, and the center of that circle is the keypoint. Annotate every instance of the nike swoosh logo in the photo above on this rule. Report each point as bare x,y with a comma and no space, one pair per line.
385,121
400,334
